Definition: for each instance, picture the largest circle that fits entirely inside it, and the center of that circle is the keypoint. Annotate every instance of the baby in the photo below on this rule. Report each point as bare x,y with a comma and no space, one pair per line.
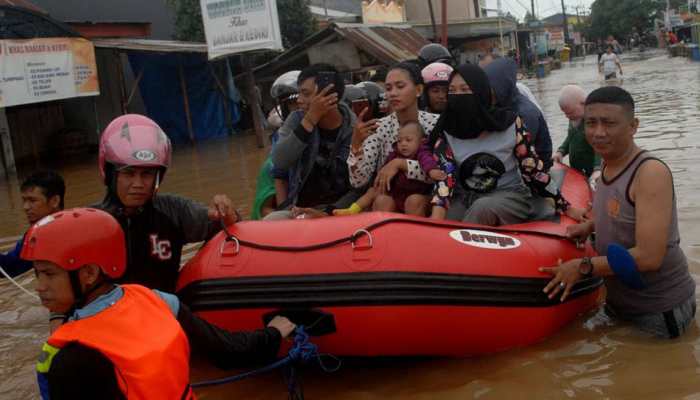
411,145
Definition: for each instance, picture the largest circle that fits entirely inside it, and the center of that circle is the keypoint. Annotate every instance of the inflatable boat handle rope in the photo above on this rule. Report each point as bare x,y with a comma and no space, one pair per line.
303,351
366,231
14,282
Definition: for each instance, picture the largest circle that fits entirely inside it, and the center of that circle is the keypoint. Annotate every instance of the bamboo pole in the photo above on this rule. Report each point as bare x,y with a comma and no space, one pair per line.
186,101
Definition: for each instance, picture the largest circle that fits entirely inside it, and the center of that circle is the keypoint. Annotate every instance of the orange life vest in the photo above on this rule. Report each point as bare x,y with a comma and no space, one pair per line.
139,335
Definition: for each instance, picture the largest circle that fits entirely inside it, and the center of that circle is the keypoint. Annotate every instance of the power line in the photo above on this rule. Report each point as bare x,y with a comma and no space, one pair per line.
521,5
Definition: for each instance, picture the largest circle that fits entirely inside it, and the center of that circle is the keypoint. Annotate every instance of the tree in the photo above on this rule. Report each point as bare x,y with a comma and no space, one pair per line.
296,21
622,18
188,20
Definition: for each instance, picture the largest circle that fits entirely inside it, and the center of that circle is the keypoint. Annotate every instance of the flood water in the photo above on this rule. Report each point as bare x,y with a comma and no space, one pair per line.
586,360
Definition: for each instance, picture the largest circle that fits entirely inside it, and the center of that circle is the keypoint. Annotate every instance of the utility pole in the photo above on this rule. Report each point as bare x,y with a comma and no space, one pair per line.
444,23
432,19
532,4
500,28
566,23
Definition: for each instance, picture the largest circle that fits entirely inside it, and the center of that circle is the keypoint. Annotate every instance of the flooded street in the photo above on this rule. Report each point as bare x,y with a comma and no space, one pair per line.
586,360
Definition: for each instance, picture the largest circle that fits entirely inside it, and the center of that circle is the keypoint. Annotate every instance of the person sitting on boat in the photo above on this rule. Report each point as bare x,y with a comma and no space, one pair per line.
42,194
314,142
487,149
272,184
502,74
121,341
434,52
435,77
375,95
572,99
635,220
411,145
134,156
490,57
373,141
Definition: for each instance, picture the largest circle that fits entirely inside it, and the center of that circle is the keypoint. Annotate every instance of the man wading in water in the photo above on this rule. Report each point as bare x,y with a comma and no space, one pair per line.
636,226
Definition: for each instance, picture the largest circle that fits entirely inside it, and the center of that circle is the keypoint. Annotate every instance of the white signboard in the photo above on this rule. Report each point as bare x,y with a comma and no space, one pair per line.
235,26
45,69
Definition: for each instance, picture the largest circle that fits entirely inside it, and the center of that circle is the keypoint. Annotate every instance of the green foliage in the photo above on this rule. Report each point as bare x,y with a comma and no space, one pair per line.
622,18
296,20
188,20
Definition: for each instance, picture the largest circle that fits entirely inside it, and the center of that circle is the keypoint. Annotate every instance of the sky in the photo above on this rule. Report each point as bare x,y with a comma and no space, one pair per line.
543,8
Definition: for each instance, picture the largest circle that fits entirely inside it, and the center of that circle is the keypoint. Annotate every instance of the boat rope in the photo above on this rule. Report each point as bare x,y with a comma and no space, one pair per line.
302,352
363,231
14,282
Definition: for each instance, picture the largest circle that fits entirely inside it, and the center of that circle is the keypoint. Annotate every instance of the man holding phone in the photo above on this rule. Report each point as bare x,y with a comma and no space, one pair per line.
313,145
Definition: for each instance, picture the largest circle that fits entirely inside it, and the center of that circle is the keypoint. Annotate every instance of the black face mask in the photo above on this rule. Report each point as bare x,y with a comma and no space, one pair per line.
464,119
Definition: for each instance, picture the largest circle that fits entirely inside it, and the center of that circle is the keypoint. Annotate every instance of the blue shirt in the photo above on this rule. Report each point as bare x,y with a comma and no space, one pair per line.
108,299
11,262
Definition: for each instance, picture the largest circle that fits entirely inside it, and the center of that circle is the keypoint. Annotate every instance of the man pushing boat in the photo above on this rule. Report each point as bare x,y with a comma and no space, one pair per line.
636,226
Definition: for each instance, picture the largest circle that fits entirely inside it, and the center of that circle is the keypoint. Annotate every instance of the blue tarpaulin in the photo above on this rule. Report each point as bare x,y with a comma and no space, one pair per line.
161,91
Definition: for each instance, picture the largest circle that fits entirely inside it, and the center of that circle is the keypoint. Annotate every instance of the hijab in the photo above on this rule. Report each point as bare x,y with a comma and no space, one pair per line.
467,115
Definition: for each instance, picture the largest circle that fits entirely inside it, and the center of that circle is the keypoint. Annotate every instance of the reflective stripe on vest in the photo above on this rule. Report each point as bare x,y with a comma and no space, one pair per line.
141,338
48,352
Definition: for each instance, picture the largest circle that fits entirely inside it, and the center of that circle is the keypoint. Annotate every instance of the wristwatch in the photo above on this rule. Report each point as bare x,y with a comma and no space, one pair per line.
585,268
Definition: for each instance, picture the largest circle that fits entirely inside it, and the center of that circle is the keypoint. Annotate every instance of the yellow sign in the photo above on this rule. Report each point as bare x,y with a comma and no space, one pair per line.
45,69
383,11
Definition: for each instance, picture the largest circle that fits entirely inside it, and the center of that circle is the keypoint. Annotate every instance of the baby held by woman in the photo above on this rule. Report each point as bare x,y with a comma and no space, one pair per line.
400,190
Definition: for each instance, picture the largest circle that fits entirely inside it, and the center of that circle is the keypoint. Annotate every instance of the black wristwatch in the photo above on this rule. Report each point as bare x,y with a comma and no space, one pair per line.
585,268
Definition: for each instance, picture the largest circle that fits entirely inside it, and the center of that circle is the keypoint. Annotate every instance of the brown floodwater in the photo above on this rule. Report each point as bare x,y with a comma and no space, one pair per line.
589,359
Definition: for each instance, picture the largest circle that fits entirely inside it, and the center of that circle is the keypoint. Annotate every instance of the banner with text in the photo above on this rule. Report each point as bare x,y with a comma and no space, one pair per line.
235,26
45,69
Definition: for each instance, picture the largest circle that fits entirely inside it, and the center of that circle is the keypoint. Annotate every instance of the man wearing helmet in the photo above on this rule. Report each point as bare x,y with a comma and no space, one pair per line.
120,341
434,52
436,78
314,143
273,183
134,156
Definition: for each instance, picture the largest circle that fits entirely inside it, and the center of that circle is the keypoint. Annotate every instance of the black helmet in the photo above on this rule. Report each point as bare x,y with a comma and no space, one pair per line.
434,52
373,90
352,93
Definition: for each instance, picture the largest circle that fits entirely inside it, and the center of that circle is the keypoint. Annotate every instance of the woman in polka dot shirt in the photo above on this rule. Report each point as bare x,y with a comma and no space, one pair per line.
373,141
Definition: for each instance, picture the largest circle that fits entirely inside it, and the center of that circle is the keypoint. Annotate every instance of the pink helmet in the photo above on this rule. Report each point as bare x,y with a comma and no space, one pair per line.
133,140
436,73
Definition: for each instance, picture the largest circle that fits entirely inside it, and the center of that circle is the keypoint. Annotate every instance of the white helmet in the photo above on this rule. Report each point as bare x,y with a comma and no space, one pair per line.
285,85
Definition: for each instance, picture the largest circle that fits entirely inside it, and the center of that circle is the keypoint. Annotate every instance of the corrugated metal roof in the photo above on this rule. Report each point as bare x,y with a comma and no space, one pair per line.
24,4
387,43
161,46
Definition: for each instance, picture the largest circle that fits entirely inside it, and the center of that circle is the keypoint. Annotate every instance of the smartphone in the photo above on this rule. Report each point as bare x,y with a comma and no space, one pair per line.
359,105
324,79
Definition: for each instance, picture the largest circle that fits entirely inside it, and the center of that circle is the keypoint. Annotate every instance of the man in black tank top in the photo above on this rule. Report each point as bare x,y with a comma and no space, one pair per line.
636,225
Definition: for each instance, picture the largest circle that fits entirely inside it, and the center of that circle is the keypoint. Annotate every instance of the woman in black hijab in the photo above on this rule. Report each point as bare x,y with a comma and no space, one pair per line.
483,147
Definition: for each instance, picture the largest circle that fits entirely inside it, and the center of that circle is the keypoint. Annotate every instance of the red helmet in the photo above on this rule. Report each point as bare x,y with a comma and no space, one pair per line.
73,238
436,73
133,140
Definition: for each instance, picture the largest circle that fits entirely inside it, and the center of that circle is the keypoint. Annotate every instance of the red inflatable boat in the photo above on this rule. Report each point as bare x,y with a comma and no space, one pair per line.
392,285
